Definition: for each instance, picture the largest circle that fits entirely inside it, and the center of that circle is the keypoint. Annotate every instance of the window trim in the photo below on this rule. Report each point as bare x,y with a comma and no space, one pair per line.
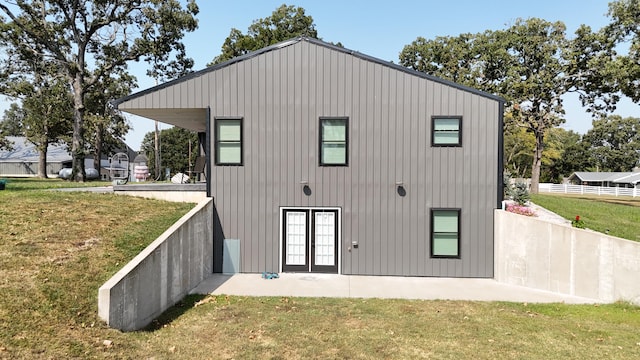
217,141
432,233
433,130
346,140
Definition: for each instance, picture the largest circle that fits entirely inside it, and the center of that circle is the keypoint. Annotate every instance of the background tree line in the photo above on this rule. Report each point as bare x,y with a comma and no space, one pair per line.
532,64
65,60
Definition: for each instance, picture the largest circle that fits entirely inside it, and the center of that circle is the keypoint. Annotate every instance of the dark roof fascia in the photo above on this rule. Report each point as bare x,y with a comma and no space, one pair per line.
286,43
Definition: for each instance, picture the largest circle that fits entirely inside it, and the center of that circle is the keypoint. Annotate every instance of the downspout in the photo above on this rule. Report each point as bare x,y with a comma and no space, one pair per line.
500,155
207,149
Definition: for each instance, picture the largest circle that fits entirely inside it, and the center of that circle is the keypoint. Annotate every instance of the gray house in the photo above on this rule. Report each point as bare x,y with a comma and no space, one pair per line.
23,158
322,159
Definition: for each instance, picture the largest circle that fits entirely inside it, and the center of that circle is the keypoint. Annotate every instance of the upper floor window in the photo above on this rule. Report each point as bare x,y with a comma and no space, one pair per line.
446,131
334,142
228,141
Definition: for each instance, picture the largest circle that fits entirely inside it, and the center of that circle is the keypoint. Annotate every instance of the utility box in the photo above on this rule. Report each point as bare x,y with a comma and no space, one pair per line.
231,256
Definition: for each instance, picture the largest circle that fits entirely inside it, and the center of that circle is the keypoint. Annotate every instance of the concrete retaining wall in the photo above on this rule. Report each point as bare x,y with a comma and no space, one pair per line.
162,274
548,256
163,191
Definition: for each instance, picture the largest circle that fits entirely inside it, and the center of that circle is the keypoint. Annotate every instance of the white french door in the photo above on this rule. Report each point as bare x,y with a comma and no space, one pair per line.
310,240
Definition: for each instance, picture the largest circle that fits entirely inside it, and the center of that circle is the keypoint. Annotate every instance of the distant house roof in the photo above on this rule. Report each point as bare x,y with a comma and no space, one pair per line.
614,177
632,178
24,151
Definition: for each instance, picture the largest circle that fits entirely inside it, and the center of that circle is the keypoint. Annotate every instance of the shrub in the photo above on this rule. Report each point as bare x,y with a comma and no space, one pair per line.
519,193
577,222
521,210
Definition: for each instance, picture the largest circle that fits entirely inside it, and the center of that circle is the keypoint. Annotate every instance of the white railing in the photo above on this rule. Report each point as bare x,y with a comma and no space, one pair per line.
584,189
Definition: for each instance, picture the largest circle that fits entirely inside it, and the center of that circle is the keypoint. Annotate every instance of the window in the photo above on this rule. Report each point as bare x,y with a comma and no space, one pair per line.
334,142
445,233
447,131
228,141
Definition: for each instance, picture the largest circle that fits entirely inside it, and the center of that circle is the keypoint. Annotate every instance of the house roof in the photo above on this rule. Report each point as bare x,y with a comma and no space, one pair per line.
24,151
615,177
630,178
192,118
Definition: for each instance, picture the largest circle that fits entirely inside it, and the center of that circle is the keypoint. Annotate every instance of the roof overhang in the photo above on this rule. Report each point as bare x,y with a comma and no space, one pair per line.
190,119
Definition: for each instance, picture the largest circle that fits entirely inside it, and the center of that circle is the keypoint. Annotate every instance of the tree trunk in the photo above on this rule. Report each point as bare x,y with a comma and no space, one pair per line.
537,162
98,148
42,161
77,144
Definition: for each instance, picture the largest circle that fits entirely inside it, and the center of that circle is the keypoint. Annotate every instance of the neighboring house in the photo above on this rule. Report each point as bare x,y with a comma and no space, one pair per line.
606,179
22,160
322,159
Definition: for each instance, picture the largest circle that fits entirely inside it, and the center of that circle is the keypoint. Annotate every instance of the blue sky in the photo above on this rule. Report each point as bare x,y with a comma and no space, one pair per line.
382,28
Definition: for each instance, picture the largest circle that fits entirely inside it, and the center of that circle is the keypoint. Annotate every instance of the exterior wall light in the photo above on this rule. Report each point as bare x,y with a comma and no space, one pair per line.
305,187
400,188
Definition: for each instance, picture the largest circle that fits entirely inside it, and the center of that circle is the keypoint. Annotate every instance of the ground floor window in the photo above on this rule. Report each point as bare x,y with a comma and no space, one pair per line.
445,233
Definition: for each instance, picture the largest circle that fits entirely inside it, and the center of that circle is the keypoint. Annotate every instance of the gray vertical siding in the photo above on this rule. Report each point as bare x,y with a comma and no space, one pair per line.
281,94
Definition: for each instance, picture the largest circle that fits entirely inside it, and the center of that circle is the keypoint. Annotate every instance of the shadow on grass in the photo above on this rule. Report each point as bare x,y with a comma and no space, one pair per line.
174,312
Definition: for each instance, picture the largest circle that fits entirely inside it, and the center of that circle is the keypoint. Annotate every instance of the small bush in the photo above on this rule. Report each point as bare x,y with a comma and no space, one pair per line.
577,222
521,210
519,193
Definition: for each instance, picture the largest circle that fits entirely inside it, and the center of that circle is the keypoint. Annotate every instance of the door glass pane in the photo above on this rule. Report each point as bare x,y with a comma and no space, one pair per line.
296,239
325,238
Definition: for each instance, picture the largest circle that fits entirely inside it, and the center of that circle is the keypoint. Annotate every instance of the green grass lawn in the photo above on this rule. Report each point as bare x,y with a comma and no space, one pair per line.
617,216
57,248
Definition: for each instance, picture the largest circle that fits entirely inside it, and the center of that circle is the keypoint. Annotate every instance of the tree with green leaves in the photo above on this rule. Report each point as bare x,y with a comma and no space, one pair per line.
518,147
44,116
625,28
12,120
592,73
555,159
286,22
47,118
106,127
88,41
11,125
529,64
575,157
614,143
176,142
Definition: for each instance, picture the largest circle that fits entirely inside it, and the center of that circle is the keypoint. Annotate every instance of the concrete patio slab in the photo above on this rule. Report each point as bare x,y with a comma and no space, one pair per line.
384,287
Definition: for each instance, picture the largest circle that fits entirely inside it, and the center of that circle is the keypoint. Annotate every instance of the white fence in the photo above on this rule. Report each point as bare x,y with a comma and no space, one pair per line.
584,189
